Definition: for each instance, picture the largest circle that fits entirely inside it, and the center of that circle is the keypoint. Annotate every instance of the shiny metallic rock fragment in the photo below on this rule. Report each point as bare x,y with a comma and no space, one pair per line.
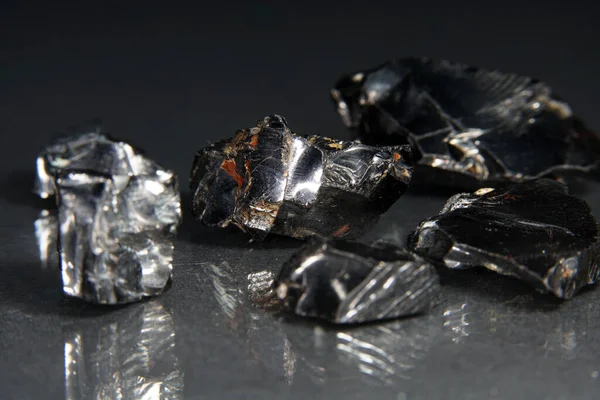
466,124
117,214
347,282
97,153
534,231
270,180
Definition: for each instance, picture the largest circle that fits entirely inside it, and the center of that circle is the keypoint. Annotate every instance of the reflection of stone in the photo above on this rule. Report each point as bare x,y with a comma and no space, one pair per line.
132,358
46,233
390,233
260,288
226,294
374,355
455,320
244,313
563,339
557,332
386,353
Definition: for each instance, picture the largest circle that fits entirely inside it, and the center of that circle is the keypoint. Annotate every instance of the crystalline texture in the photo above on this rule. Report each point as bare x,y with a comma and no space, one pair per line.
117,213
466,124
346,282
534,231
270,180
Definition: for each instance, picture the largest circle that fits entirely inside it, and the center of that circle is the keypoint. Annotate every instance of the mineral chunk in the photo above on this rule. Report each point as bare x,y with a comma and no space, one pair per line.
270,180
117,213
466,124
347,282
97,153
534,231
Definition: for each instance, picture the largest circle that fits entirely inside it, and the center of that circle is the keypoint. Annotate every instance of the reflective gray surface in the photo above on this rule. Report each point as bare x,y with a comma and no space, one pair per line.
490,336
147,74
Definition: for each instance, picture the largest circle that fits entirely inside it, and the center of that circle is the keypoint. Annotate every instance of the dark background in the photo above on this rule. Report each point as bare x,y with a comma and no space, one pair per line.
172,78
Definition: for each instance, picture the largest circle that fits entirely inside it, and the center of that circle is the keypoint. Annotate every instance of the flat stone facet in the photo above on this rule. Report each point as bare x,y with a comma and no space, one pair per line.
533,231
117,213
270,180
466,124
347,282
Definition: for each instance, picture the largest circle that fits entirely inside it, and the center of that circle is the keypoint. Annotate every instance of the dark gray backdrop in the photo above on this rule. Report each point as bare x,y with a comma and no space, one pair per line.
170,79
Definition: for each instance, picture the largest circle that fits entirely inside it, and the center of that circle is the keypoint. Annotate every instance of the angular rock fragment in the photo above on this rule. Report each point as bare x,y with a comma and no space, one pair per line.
97,153
466,124
270,180
533,231
347,282
117,213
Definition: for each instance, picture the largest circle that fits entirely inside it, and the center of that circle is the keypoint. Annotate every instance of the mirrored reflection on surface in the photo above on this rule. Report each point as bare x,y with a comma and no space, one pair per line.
132,357
45,229
562,339
385,353
377,354
292,355
381,354
243,300
556,332
260,288
388,232
224,290
456,321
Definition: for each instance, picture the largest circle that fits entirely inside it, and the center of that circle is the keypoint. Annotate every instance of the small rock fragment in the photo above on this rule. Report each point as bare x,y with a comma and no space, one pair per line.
533,231
466,124
347,282
270,180
117,213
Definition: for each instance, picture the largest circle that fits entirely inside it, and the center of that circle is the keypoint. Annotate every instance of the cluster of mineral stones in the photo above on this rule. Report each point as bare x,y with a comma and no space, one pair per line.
505,140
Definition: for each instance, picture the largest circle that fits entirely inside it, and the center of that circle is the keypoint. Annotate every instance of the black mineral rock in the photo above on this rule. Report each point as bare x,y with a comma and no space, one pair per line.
466,124
533,231
347,282
270,180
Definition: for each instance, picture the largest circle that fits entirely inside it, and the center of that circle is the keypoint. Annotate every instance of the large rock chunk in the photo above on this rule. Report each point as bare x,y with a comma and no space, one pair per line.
466,124
270,180
117,213
347,282
533,231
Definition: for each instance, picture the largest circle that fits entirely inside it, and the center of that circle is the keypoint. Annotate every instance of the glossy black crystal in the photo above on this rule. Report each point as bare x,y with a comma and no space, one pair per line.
269,180
346,282
466,124
533,231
